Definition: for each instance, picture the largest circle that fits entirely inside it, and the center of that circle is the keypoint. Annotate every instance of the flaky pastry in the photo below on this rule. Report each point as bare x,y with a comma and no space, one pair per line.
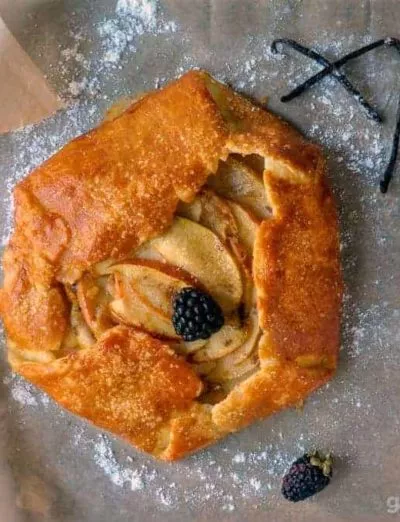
191,186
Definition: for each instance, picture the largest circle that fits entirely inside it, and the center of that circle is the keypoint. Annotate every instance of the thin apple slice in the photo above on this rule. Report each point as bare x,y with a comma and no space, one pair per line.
222,343
134,313
212,212
192,210
231,366
249,346
153,285
79,334
238,363
69,343
80,329
222,373
247,226
94,299
147,251
201,253
237,181
189,348
249,299
204,368
130,309
102,268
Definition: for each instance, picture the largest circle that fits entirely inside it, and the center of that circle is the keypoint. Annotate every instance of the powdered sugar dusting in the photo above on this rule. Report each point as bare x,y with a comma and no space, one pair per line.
104,457
256,484
24,393
145,11
239,458
118,35
203,476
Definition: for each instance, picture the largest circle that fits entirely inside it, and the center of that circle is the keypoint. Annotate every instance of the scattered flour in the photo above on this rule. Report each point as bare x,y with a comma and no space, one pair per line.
255,483
105,459
24,396
144,11
76,88
24,393
204,481
72,53
133,18
239,458
228,507
117,34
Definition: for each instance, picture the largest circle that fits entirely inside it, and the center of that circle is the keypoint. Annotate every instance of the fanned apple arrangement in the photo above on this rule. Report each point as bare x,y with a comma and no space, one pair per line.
208,247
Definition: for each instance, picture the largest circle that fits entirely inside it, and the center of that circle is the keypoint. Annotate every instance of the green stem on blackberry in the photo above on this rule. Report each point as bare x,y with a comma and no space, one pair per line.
324,463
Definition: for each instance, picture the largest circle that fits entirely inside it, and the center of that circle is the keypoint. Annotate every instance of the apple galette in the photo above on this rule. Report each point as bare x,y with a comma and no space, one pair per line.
174,274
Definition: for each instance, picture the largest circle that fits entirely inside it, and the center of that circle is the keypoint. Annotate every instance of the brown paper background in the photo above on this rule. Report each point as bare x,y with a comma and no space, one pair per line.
24,92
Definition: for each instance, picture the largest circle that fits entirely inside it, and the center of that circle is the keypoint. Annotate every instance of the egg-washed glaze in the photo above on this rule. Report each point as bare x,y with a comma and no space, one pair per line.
94,214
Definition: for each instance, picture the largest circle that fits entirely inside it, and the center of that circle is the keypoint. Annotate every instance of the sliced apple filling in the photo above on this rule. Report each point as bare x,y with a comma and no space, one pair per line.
209,246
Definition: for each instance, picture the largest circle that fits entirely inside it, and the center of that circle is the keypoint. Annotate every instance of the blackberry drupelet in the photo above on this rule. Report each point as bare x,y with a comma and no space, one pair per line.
196,315
307,475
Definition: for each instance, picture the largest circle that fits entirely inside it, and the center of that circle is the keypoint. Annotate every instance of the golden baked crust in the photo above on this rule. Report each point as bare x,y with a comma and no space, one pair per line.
108,192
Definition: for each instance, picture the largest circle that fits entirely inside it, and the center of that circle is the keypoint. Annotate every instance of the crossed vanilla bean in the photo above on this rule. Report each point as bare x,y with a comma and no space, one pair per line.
333,69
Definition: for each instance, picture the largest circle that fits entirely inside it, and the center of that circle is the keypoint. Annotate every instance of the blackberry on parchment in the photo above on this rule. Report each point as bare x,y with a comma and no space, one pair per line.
308,475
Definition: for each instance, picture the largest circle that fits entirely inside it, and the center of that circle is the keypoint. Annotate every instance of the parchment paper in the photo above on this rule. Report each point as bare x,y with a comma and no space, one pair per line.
54,466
